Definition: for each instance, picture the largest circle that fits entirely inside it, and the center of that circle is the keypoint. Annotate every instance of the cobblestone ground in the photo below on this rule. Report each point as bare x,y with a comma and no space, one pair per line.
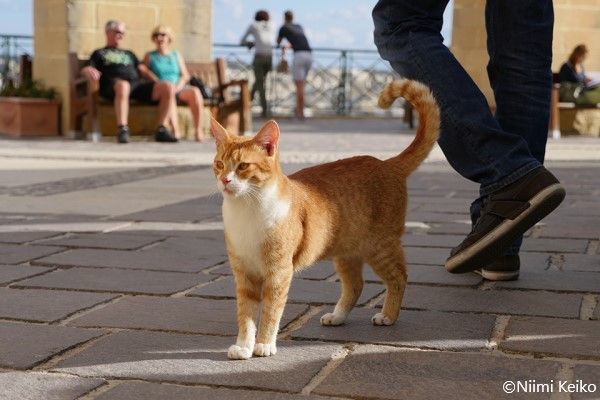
135,300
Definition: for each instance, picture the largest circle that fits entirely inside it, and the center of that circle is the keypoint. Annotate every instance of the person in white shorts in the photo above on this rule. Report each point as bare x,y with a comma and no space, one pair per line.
294,34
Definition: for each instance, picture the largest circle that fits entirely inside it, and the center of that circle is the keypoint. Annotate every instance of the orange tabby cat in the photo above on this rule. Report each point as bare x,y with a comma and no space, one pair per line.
351,211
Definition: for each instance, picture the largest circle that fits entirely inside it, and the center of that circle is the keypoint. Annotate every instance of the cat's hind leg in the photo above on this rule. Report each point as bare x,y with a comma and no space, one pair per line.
388,262
349,271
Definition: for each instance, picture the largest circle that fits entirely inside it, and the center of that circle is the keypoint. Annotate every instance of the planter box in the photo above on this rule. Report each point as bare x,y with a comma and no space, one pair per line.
23,116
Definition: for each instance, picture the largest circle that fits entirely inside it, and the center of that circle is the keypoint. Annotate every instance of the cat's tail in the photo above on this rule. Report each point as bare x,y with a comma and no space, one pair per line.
423,101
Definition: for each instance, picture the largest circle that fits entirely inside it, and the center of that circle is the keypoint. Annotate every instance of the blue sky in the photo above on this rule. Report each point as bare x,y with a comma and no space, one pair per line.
330,23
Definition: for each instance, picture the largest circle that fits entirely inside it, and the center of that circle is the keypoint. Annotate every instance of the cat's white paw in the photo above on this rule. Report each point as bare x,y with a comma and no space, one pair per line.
332,319
239,353
265,349
381,319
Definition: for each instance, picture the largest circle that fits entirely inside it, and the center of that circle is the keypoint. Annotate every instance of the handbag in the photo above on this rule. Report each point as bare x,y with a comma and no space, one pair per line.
283,67
197,82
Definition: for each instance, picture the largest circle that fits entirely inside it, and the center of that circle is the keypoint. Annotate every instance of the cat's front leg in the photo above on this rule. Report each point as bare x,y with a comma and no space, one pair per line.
275,291
248,298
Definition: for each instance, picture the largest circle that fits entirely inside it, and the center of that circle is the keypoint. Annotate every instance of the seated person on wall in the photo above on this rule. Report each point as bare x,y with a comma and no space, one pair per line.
119,73
575,84
166,65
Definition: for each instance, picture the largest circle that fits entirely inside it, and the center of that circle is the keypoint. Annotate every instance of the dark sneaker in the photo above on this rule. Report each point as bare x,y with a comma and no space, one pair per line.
163,135
123,134
505,268
505,215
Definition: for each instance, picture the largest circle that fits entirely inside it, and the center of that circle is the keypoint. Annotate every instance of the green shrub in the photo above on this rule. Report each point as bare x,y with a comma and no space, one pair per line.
32,88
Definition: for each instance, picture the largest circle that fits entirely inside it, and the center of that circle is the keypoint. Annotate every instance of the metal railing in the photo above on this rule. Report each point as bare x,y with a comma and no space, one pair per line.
12,47
341,81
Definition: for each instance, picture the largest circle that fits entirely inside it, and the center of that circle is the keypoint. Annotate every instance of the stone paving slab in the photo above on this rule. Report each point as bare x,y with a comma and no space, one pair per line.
433,218
429,274
155,391
451,228
597,312
24,237
198,359
580,262
426,256
389,373
10,273
531,244
153,259
492,301
198,209
554,280
189,315
565,338
45,305
116,280
302,291
39,385
588,374
15,254
425,329
115,241
23,346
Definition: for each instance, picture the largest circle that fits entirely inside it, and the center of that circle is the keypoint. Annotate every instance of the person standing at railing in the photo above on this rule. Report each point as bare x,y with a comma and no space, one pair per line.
294,34
263,34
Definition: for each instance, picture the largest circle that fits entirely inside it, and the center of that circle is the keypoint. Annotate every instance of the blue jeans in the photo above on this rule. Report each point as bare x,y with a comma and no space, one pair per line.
492,150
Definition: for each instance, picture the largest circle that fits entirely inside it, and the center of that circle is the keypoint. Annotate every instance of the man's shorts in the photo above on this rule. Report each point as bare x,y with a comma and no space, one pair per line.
140,90
301,65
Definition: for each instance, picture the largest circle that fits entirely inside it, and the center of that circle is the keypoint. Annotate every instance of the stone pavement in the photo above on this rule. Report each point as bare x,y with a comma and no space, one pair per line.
114,283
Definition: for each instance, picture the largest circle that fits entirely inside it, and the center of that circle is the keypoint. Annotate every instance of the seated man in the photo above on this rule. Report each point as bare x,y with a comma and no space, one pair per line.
119,74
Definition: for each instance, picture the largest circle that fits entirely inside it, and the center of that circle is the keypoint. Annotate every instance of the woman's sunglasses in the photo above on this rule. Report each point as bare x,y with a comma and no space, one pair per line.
120,33
159,34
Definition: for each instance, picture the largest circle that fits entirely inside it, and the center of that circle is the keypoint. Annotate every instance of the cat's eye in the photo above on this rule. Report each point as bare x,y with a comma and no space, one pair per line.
242,166
219,164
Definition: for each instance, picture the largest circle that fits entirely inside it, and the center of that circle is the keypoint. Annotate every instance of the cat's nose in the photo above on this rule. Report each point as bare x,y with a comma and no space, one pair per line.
225,181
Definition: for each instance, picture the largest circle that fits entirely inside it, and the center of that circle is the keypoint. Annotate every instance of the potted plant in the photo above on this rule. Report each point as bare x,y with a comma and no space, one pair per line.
29,109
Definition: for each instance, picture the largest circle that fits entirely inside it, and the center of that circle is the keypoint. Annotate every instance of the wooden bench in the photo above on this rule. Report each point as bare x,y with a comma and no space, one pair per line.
230,103
568,109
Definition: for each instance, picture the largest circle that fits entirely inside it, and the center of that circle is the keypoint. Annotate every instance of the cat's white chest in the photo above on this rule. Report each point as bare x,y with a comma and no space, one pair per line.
247,225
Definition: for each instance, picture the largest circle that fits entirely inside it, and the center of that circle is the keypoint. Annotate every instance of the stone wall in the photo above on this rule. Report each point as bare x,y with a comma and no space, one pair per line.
576,21
63,26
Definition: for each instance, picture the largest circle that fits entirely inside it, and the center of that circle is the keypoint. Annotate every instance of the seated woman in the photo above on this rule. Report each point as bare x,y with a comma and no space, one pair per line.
164,64
585,91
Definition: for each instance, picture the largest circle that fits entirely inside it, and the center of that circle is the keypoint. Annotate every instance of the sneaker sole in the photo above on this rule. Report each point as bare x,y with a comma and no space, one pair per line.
498,240
498,275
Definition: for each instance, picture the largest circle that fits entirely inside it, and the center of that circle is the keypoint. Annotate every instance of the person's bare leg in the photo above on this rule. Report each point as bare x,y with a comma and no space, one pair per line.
121,102
164,92
193,98
299,98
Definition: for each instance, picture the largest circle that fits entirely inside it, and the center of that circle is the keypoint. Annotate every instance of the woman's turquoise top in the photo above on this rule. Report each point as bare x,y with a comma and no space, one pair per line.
165,67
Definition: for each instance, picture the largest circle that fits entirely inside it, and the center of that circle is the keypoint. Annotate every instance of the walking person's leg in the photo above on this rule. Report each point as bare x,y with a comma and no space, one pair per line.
262,69
519,44
519,190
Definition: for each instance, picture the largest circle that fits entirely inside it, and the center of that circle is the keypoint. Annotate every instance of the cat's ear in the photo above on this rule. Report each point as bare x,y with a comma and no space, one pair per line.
268,137
220,133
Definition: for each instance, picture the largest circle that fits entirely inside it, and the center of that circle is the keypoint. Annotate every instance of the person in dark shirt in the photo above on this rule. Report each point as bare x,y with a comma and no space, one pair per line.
119,72
294,34
572,70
